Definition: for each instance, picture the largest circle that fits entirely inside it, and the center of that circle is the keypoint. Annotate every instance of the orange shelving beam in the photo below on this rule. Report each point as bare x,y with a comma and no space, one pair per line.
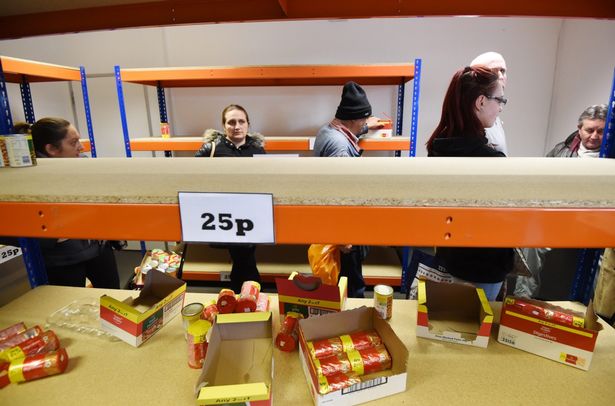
271,144
281,75
15,68
433,226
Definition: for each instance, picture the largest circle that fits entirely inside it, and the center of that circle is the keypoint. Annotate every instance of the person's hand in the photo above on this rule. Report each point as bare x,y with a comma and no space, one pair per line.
345,248
373,123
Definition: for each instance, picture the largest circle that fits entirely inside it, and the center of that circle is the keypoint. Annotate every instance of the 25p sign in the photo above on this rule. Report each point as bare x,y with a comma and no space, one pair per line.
227,217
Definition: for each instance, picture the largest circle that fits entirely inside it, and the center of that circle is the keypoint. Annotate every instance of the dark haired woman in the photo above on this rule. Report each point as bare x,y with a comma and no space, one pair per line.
69,262
235,141
473,101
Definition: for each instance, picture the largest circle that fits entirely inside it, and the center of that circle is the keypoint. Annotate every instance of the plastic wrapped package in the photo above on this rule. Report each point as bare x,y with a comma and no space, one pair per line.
82,315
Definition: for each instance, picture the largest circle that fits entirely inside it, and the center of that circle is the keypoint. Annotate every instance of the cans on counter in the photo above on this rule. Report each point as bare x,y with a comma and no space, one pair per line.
190,314
197,343
17,150
383,301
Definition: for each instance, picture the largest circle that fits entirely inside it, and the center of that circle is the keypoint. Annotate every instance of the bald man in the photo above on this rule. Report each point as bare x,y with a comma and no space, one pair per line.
495,135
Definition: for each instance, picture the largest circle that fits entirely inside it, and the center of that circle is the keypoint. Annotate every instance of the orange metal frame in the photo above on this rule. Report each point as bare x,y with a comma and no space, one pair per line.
302,75
271,144
14,69
170,12
419,226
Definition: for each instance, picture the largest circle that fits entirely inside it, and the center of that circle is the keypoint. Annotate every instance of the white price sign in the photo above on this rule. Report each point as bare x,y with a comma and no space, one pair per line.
227,217
7,253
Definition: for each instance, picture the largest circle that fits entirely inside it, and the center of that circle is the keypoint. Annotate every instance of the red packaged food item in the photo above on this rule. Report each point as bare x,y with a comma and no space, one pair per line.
337,381
16,328
226,301
4,374
286,340
38,366
21,337
40,344
197,343
262,303
547,311
210,312
336,345
247,297
361,362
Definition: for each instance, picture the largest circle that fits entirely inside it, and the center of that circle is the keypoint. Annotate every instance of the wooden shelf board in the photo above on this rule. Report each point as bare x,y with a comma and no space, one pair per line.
203,263
533,202
300,75
14,69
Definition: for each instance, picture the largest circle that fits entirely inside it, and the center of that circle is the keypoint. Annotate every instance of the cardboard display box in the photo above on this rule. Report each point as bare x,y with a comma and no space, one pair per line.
373,386
452,312
305,295
566,344
238,367
135,320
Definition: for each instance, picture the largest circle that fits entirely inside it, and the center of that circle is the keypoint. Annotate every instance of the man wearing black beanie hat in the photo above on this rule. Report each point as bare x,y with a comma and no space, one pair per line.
340,138
353,118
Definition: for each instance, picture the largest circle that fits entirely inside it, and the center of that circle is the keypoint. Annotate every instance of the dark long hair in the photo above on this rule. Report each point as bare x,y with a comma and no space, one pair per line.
458,115
48,130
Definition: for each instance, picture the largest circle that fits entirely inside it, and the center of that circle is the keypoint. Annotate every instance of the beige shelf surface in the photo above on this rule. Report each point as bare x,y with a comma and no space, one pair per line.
416,182
101,372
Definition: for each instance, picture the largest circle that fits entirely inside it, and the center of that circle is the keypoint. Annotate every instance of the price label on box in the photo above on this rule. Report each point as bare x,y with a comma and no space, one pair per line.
227,217
7,253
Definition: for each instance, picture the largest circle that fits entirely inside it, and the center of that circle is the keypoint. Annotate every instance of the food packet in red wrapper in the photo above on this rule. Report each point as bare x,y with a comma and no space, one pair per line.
262,303
336,345
210,312
226,301
547,311
37,366
16,328
40,344
248,297
337,381
21,337
286,340
361,362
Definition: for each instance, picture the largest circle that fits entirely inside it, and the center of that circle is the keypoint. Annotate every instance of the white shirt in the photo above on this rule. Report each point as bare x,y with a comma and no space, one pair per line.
496,137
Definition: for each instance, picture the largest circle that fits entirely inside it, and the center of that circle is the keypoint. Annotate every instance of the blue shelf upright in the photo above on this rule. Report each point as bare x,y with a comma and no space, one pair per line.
406,277
589,259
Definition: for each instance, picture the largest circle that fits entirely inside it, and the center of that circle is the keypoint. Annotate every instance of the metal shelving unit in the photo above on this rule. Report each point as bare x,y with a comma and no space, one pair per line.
384,201
292,75
24,72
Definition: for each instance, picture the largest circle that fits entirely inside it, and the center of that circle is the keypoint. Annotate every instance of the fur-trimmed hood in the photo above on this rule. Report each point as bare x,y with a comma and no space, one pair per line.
212,135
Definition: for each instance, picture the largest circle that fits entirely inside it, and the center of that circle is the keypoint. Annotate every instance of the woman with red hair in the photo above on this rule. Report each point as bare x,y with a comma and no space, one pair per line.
473,101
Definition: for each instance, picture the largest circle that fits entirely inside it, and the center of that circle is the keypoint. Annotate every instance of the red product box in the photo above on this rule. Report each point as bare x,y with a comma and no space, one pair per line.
543,336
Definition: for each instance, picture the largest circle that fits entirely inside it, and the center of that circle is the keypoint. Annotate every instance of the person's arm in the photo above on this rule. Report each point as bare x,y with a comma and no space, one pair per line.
204,151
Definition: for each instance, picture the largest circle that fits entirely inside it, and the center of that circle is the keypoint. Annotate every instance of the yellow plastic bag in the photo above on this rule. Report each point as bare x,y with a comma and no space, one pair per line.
325,262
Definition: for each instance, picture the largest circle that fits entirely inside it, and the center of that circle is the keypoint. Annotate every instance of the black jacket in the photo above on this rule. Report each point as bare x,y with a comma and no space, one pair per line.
481,265
254,145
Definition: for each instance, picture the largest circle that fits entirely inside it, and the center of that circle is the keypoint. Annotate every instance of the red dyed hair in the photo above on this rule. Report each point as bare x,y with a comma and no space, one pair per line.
458,115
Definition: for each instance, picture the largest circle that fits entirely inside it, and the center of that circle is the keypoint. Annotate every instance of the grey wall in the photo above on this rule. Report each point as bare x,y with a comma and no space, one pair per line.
548,85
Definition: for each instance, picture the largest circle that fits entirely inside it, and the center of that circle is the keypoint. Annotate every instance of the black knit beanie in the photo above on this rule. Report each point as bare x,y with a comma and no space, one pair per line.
354,103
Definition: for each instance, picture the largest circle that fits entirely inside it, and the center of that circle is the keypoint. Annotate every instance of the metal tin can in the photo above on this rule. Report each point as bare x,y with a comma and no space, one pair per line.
197,343
191,313
383,301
